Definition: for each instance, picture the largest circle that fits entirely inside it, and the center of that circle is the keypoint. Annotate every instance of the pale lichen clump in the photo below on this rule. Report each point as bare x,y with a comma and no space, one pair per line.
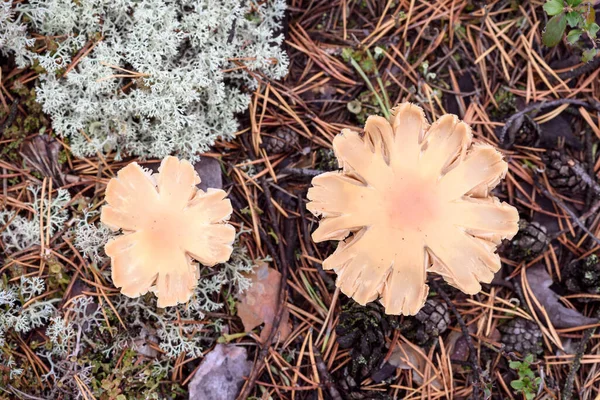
167,223
414,199
146,78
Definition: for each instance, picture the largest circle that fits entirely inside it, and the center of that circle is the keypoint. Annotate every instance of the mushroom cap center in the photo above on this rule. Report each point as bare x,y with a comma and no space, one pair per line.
412,205
165,228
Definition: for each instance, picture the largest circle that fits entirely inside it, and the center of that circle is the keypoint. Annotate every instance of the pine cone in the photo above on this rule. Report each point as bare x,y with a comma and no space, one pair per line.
583,276
283,140
522,336
528,134
363,330
429,323
434,317
560,175
528,243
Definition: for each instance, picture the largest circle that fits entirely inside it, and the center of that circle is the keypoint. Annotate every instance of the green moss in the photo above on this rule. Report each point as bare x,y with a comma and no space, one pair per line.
506,104
127,378
22,125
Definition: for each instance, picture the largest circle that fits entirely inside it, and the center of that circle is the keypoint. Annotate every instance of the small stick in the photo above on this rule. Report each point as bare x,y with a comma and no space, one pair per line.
582,173
302,171
568,388
307,243
282,260
465,331
595,105
581,70
566,209
326,376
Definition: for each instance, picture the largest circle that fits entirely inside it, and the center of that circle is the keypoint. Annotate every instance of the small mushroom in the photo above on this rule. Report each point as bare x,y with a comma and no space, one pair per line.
411,199
167,223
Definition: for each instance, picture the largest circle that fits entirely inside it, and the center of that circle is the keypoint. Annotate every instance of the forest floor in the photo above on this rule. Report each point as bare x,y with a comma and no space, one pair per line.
482,61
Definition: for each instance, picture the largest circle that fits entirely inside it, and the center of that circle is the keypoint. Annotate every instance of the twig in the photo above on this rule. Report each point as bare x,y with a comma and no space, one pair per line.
284,270
582,173
326,376
566,209
567,392
23,395
11,115
592,211
307,243
465,331
581,70
593,104
302,171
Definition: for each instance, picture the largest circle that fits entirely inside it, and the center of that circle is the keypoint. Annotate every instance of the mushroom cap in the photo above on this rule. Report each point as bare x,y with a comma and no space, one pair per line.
411,199
167,223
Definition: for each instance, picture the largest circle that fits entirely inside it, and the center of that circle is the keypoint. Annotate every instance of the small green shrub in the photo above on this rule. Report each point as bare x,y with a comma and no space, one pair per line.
528,383
580,17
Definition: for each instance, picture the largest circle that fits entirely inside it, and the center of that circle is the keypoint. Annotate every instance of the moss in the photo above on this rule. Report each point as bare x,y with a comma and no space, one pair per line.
21,125
506,104
125,377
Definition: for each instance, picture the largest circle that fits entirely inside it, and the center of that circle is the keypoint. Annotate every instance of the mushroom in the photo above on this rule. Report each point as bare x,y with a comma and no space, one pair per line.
166,223
411,199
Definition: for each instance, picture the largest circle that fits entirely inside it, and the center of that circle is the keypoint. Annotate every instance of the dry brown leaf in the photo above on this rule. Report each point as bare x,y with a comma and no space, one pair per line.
411,199
560,316
42,154
258,304
411,357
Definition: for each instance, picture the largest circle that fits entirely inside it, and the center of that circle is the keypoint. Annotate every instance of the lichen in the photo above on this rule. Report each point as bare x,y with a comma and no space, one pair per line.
161,77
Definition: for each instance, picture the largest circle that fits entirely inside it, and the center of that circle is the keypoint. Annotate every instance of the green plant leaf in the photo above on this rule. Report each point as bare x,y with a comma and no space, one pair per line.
527,374
593,29
588,55
574,18
574,3
518,385
528,359
554,7
554,30
529,396
347,54
514,364
574,35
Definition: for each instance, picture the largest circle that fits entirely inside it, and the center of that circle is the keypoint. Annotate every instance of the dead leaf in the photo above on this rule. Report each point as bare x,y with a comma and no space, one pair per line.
209,169
41,153
560,316
221,374
556,130
142,343
457,346
412,357
259,303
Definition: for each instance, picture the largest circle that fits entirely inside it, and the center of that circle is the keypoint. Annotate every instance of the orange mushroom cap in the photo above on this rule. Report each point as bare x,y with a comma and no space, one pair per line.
166,223
416,199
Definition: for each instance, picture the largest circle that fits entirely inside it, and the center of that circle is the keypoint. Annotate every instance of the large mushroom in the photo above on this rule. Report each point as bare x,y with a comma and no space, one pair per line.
411,199
166,223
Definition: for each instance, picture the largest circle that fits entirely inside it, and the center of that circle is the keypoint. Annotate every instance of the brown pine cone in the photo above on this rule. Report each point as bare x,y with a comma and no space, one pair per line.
560,175
528,243
363,330
434,316
281,141
429,323
522,336
583,276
